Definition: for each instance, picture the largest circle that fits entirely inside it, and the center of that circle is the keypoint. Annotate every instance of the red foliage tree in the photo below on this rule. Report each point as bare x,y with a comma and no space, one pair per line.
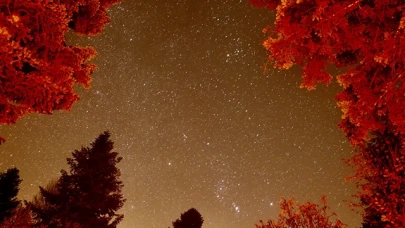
21,217
304,215
38,69
366,38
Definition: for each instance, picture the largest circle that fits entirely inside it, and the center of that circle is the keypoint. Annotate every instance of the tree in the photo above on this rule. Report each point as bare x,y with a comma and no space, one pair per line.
89,195
9,182
39,70
21,218
189,219
365,39
372,219
305,215
47,206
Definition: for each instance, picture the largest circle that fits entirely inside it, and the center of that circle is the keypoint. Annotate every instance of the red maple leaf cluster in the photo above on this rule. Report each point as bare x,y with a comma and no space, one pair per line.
366,38
38,69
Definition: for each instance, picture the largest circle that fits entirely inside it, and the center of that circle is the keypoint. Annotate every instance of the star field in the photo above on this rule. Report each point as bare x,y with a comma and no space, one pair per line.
182,89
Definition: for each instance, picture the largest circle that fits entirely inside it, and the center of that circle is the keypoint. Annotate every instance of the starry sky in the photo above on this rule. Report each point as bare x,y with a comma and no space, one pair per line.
182,89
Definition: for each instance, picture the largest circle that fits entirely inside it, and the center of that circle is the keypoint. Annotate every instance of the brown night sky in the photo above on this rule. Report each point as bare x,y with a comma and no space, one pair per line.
181,87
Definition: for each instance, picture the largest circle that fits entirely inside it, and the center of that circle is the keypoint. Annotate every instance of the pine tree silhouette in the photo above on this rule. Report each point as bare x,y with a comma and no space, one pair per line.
9,182
89,195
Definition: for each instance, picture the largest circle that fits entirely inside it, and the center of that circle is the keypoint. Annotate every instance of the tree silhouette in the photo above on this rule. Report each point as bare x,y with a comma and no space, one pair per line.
189,219
38,68
89,195
9,182
304,215
365,39
47,205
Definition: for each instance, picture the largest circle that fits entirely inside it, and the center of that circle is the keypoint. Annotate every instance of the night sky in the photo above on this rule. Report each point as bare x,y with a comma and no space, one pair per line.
182,89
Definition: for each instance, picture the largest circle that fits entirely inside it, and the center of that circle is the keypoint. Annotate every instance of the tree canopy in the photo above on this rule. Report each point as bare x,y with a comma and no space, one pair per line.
189,219
365,38
39,70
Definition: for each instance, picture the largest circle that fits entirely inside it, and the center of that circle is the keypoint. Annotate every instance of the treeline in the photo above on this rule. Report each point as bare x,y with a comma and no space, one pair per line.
89,194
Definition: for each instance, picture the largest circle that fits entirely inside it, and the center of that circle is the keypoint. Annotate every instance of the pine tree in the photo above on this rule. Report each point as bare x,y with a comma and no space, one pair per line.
189,219
89,195
47,206
9,182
